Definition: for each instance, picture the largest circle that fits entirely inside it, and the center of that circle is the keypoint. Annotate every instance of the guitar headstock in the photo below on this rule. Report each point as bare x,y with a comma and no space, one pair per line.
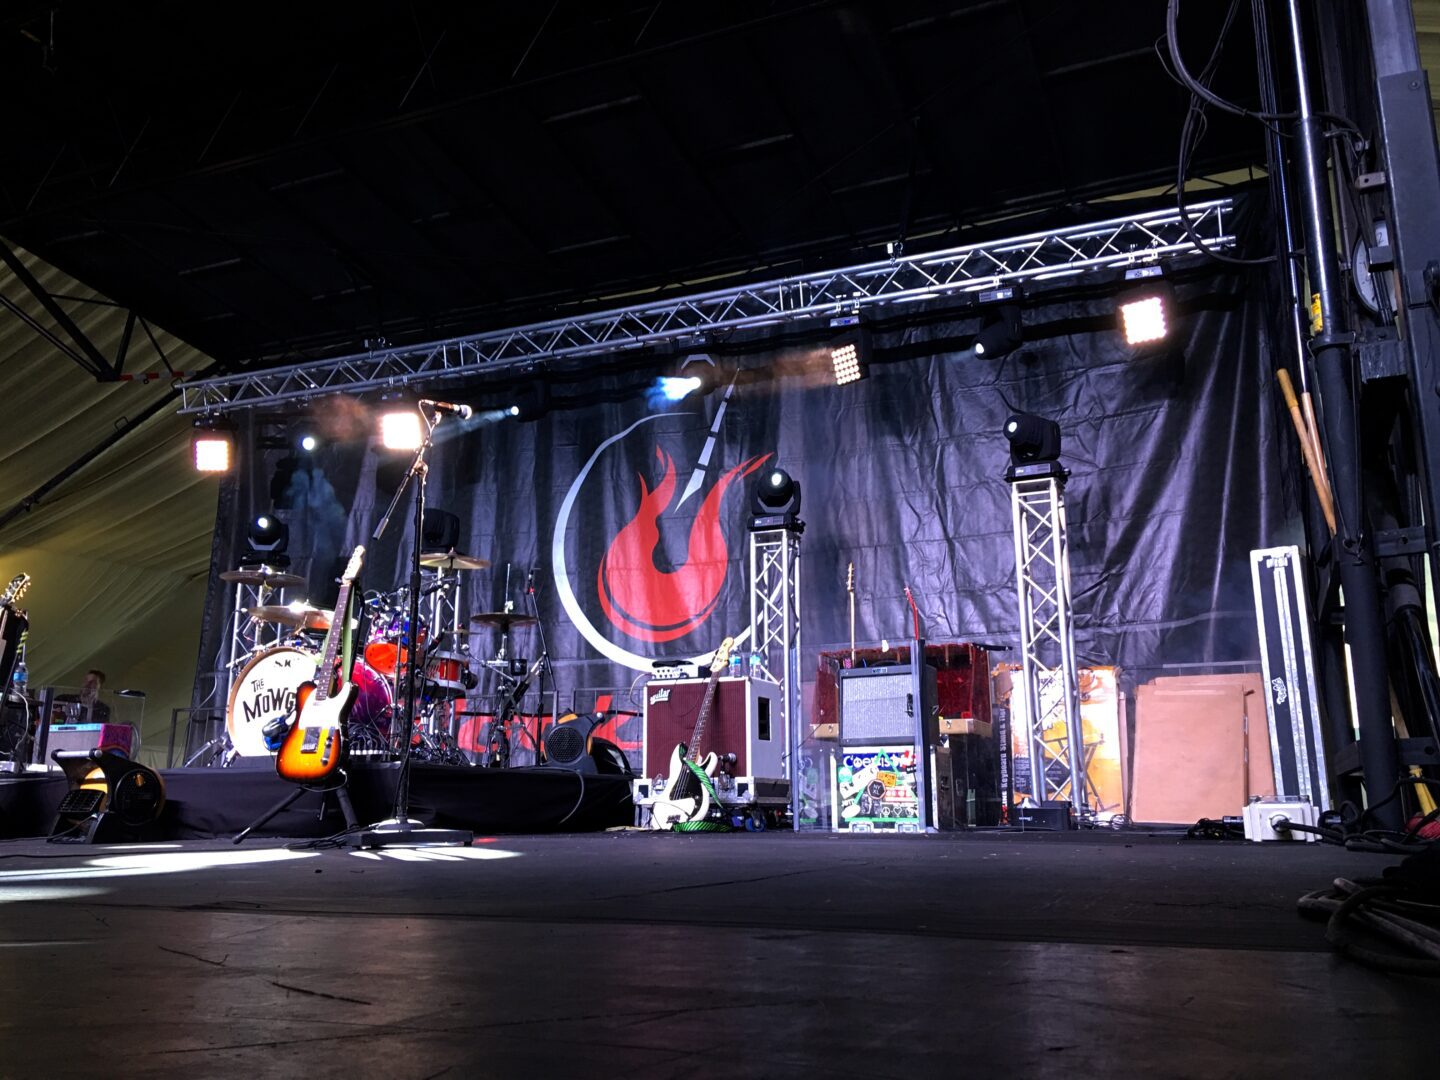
15,590
722,655
352,568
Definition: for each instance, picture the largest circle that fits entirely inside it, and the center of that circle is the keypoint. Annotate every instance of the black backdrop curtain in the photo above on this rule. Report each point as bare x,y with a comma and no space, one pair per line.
1178,461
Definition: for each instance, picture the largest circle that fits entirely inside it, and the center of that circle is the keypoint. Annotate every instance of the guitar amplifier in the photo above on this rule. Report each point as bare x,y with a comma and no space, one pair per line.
89,737
878,705
746,719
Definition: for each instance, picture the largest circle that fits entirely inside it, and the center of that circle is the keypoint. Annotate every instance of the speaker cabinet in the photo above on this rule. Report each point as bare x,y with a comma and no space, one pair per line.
745,720
568,745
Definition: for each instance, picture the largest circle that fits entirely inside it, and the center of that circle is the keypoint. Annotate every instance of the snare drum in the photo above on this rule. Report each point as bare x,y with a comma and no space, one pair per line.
265,691
445,674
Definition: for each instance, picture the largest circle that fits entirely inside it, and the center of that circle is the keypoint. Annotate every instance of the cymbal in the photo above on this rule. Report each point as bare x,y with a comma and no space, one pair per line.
298,616
263,575
452,560
503,619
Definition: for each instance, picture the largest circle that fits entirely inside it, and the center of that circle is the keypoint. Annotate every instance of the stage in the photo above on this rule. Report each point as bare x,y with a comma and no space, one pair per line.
209,803
659,955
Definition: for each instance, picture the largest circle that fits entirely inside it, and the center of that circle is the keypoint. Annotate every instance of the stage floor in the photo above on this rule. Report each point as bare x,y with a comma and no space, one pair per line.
646,955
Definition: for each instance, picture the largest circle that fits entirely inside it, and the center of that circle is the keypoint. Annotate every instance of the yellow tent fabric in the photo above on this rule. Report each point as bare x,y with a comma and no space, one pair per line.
119,553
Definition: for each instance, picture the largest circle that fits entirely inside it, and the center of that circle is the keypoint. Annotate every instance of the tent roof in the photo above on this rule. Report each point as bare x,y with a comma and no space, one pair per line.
119,554
318,175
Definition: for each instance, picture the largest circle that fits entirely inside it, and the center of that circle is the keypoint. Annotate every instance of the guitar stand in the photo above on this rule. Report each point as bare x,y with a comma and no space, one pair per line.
342,796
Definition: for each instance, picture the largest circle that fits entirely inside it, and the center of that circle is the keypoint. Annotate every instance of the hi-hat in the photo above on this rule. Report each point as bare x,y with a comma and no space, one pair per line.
267,576
503,619
297,616
452,560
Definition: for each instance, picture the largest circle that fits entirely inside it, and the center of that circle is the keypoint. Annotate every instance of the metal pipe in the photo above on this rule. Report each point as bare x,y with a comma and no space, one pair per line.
126,427
1352,551
1280,197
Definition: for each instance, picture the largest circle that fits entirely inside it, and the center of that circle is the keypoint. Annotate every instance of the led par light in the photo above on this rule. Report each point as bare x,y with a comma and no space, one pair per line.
213,446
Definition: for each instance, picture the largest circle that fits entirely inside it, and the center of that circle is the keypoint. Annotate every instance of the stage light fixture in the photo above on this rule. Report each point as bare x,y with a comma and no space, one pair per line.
849,350
401,427
266,539
695,374
530,402
213,446
1145,314
845,360
305,438
1000,335
775,500
1033,439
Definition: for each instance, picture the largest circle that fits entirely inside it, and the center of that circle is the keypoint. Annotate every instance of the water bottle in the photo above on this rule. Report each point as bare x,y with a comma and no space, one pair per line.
21,680
757,665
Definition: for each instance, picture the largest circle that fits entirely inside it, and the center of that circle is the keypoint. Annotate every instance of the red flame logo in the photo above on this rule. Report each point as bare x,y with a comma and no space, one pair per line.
661,605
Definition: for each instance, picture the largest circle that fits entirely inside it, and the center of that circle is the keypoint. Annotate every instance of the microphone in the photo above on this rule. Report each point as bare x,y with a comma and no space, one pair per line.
464,412
530,582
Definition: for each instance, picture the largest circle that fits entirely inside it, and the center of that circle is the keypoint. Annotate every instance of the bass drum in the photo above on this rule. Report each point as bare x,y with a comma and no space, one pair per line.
265,691
370,716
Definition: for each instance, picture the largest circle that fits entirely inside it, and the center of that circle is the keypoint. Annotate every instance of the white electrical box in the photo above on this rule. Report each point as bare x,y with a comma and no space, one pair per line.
1265,819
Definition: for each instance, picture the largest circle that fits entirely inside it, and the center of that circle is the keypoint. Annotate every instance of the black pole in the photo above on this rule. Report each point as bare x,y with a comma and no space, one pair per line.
400,829
545,667
1353,553
126,427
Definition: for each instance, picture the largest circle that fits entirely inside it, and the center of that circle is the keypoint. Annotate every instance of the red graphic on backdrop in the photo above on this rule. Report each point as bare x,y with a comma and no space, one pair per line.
661,605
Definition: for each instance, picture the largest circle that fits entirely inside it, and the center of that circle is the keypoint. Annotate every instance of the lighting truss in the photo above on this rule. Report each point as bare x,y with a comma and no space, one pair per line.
775,634
1049,676
1069,252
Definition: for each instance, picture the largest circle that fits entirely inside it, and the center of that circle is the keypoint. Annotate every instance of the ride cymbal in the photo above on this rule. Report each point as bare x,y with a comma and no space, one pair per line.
452,560
297,616
263,575
503,619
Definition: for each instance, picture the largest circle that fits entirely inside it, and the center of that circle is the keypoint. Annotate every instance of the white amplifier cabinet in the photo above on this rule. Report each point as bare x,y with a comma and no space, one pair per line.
746,719
880,705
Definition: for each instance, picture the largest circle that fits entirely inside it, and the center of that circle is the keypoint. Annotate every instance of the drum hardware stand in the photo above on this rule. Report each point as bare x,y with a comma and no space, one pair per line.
221,742
400,828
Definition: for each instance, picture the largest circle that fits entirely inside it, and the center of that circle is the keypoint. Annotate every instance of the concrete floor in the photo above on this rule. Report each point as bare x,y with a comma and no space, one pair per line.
659,955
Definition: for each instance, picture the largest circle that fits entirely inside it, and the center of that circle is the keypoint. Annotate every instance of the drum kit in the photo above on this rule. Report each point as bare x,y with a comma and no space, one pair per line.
282,645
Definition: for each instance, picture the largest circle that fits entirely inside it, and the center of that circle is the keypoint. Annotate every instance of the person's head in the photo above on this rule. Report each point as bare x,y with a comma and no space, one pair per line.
93,681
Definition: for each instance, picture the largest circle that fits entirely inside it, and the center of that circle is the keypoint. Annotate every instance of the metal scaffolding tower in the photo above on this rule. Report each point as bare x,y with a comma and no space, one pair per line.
775,631
1047,636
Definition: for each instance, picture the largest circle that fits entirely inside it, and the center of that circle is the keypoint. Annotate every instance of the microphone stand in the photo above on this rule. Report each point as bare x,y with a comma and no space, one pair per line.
545,665
401,828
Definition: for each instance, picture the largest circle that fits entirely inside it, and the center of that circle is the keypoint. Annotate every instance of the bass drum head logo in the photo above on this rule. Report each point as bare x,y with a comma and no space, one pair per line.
642,601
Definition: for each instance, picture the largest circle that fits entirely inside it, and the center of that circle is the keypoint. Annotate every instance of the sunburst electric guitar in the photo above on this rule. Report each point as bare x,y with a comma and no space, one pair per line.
314,746
690,804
